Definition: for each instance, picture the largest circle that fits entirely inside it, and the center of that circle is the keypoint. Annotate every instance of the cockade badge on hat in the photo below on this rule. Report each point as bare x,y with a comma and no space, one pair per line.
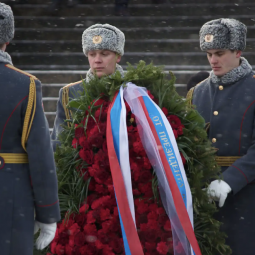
97,39
209,38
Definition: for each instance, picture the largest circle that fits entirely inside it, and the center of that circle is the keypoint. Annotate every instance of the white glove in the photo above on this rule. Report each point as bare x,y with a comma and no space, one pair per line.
47,234
218,191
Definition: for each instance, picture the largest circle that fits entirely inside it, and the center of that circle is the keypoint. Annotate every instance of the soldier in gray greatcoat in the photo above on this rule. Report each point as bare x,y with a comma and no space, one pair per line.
28,182
103,44
226,100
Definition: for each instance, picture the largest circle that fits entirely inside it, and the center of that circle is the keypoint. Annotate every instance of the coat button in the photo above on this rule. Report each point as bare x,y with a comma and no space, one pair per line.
215,113
1,162
220,87
214,140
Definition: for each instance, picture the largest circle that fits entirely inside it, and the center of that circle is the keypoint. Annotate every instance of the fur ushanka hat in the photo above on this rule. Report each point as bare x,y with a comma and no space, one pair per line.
103,37
223,34
6,23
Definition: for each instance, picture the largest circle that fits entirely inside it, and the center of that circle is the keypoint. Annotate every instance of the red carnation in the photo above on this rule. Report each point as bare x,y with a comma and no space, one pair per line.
60,249
150,246
162,248
101,189
90,229
138,148
99,245
180,130
87,156
179,248
80,219
68,249
127,107
105,214
167,226
152,215
174,121
74,143
96,140
146,163
117,245
102,201
74,229
150,95
83,142
90,217
79,131
53,246
141,206
145,176
175,133
79,239
183,159
84,208
164,110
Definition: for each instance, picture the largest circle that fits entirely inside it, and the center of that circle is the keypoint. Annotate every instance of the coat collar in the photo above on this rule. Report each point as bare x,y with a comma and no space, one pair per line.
90,74
5,57
234,75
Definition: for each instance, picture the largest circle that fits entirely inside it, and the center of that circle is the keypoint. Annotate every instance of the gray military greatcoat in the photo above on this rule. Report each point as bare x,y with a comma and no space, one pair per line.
228,104
25,188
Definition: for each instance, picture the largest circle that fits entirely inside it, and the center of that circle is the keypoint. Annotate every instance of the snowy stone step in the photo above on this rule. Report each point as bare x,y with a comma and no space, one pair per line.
130,21
141,9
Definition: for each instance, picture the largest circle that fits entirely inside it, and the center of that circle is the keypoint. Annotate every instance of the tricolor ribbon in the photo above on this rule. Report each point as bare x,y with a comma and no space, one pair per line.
160,145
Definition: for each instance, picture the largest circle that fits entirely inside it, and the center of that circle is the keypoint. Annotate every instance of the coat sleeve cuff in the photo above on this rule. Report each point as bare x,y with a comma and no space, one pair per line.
235,178
48,213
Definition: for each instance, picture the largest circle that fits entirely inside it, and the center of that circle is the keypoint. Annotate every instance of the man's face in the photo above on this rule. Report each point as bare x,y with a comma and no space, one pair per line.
103,62
223,61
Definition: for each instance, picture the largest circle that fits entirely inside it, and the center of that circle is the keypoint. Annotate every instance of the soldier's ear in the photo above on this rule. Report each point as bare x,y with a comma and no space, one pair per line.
117,57
238,53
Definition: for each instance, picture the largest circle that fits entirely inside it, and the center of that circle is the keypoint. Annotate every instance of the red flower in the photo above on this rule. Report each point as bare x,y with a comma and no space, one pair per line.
101,189
68,249
174,121
167,226
74,229
164,110
117,245
146,163
150,95
180,130
152,215
175,133
101,202
87,156
105,214
162,248
127,107
83,142
99,101
96,140
60,249
53,246
74,143
84,208
81,219
179,248
79,239
90,217
99,245
138,148
90,229
183,159
145,176
142,207
79,131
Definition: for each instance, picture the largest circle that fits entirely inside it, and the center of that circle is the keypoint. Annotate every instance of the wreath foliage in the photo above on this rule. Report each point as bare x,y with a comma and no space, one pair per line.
200,166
